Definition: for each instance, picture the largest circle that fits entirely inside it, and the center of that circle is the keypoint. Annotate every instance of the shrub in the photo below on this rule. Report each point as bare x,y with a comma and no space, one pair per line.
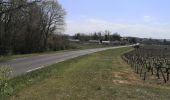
5,72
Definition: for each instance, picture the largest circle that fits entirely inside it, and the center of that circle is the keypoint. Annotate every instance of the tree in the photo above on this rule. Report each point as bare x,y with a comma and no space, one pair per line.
133,40
95,36
55,18
8,8
164,42
115,37
77,36
25,25
107,35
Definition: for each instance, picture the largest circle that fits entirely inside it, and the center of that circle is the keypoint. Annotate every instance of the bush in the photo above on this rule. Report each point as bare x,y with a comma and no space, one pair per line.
5,72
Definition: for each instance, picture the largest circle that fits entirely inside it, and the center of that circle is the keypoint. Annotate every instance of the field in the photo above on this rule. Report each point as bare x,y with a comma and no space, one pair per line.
99,76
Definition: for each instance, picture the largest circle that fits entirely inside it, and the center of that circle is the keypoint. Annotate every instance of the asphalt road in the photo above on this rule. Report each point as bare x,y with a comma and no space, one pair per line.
25,65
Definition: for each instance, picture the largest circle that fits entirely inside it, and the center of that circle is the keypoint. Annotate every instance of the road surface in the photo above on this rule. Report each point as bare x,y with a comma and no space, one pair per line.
25,65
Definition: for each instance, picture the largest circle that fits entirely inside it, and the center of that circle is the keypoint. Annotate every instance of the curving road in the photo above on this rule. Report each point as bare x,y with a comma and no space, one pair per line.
25,65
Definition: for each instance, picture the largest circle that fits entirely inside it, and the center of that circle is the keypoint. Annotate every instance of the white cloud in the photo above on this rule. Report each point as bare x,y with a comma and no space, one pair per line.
147,18
125,29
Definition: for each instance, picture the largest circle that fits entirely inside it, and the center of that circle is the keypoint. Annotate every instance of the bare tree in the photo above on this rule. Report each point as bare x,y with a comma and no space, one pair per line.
8,5
55,14
25,25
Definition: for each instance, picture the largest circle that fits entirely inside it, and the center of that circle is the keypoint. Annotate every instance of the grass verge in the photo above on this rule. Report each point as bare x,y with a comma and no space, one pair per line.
15,56
75,46
99,76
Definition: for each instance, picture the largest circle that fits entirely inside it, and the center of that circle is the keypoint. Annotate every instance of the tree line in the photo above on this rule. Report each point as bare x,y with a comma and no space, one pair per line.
28,26
104,36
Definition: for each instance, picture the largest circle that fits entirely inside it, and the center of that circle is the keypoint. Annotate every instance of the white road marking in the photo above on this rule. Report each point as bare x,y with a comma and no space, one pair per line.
34,69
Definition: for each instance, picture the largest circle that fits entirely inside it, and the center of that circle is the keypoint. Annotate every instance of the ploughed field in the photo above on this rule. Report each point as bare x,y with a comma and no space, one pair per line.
152,63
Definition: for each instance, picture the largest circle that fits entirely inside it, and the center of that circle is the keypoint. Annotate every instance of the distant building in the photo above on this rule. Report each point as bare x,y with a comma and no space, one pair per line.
115,42
74,40
94,41
106,42
124,40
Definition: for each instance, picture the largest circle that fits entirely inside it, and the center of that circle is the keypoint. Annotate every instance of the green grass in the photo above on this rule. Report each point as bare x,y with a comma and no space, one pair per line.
75,46
99,76
87,45
15,56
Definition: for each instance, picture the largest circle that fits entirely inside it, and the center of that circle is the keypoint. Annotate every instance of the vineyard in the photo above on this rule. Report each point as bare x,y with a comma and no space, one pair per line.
150,62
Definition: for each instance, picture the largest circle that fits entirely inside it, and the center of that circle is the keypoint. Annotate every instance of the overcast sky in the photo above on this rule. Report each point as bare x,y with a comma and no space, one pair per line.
140,18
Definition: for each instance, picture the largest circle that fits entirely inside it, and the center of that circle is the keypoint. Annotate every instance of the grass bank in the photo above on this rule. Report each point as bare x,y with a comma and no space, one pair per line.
99,76
74,46
15,56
